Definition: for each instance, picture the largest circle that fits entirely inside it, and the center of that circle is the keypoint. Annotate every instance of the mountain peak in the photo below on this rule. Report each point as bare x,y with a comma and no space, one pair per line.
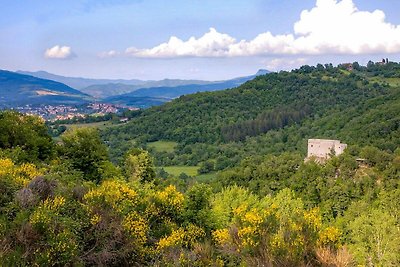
262,72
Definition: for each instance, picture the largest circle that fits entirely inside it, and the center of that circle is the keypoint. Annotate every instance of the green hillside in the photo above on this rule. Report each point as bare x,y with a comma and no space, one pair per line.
271,114
19,89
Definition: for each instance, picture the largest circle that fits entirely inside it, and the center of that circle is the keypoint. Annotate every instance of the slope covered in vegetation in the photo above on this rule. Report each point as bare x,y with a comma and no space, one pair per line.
271,114
68,204
18,89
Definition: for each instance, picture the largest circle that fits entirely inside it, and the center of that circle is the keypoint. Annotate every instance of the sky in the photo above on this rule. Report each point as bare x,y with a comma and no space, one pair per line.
196,39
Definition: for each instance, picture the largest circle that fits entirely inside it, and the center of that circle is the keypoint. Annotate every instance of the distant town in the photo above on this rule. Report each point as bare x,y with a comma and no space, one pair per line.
67,112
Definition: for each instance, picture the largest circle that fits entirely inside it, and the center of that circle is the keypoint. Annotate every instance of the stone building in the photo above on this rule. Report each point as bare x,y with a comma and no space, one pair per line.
323,149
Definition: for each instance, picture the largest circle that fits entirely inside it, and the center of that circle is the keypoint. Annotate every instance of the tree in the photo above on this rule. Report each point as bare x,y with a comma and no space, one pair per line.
26,132
375,239
356,66
138,165
85,151
206,167
197,206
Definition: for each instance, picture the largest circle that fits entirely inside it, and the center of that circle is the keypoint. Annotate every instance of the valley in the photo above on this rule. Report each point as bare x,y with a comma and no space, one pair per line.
200,133
204,165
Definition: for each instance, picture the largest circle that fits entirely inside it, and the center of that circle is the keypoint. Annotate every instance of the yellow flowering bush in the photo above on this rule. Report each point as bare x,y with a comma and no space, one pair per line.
239,211
136,226
44,213
6,165
282,228
174,239
193,234
95,219
170,196
288,241
329,236
253,217
54,204
221,236
313,218
60,248
27,172
186,237
20,175
170,200
114,193
250,231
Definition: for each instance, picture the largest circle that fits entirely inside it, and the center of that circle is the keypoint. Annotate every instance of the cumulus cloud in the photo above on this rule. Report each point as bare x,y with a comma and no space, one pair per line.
331,27
339,27
211,44
59,52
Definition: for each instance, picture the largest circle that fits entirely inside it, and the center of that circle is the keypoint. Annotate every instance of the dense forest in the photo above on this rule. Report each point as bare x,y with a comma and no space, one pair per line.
81,201
273,113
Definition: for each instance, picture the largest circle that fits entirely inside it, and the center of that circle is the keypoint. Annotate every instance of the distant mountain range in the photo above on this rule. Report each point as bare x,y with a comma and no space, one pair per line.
77,82
166,93
19,89
112,89
167,88
102,88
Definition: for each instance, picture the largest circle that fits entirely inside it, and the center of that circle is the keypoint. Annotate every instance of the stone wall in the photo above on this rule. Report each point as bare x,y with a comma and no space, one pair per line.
323,148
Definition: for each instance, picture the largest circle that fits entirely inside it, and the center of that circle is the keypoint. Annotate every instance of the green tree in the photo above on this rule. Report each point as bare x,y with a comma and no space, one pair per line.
206,167
375,239
138,165
26,133
86,152
197,206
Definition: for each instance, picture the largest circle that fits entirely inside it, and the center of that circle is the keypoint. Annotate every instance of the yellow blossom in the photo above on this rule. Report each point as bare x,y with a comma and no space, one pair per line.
171,197
54,204
20,175
193,233
95,219
221,236
136,226
5,166
253,217
115,193
175,238
248,236
240,210
329,235
40,216
313,218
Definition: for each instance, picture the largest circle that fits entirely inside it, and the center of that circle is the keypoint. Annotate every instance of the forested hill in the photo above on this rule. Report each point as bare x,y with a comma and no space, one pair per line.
19,89
322,101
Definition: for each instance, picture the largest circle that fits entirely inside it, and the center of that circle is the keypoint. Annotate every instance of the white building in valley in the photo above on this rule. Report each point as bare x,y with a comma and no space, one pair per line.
323,149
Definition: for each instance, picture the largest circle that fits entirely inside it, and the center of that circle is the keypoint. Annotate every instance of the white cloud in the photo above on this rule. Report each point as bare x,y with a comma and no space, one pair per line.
107,54
211,44
331,27
59,52
339,27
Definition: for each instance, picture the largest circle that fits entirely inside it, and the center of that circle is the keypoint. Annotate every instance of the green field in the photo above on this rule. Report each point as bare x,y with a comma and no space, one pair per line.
394,82
99,125
177,170
163,146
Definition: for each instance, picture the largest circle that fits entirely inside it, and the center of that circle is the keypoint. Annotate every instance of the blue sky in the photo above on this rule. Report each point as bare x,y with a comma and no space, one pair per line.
198,39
